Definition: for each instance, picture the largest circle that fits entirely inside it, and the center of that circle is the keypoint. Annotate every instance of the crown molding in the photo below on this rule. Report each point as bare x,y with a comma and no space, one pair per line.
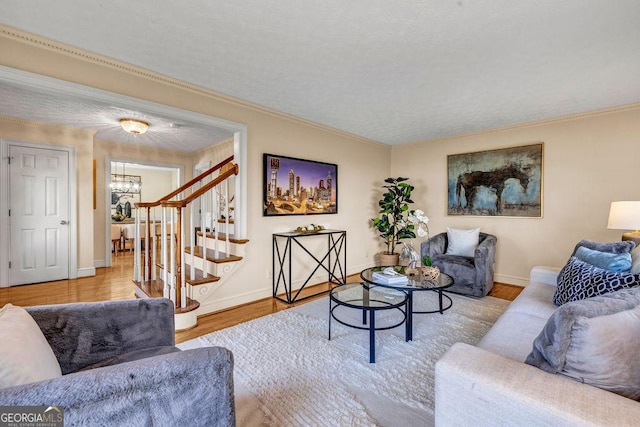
565,118
84,55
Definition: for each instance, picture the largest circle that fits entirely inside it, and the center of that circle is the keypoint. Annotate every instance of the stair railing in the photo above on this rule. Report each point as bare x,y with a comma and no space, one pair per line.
209,191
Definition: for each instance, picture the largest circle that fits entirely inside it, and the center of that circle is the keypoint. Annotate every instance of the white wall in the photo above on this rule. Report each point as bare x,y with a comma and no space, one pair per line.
589,161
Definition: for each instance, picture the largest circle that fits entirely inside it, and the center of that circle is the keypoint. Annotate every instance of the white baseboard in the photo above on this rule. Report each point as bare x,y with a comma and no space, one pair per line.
207,307
99,263
86,272
511,280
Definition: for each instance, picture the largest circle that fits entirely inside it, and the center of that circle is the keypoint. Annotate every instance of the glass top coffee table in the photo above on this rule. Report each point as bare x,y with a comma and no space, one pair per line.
369,299
415,283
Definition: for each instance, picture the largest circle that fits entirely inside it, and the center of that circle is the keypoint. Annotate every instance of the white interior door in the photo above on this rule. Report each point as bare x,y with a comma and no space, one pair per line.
39,215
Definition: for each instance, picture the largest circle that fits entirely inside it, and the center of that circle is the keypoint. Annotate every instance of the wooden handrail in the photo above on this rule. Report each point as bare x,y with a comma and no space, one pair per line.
200,191
179,284
185,186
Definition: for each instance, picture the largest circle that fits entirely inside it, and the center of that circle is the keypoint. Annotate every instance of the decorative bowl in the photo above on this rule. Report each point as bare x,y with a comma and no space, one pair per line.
430,273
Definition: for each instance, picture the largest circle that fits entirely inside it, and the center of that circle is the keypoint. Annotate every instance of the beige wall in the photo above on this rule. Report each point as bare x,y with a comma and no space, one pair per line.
216,153
82,141
362,165
588,163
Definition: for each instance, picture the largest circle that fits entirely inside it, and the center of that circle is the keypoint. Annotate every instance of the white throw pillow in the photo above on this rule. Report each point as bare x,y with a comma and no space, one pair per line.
462,242
26,356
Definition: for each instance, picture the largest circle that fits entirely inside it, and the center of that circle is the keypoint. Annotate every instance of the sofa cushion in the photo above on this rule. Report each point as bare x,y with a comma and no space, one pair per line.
579,280
462,268
462,242
595,341
26,356
536,299
512,335
606,260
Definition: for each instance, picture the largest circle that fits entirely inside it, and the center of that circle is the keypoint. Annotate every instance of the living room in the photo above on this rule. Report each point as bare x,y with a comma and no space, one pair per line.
589,162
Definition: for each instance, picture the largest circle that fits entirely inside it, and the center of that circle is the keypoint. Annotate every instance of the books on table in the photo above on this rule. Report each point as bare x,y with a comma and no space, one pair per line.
387,279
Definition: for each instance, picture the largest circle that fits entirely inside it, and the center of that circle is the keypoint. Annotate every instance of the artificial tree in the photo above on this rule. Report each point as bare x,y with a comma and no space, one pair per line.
392,222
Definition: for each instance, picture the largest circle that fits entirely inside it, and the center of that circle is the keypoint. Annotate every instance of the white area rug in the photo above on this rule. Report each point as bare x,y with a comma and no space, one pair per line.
287,373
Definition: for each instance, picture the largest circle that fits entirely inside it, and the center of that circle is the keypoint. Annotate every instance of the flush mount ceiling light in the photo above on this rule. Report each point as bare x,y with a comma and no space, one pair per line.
136,127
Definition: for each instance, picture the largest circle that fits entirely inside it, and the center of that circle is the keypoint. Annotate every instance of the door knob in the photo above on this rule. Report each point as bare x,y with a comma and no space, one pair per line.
63,222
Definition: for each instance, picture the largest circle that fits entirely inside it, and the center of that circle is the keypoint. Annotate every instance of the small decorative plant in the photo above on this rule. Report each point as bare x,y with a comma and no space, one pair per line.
394,220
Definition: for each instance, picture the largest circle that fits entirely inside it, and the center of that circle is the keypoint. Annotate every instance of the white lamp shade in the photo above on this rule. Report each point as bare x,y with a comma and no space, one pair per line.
624,216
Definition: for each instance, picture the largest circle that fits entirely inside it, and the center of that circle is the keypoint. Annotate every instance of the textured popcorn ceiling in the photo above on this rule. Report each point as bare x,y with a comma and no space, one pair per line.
53,107
391,71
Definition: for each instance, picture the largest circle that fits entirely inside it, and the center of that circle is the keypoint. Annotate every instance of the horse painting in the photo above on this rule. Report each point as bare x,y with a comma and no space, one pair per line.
494,180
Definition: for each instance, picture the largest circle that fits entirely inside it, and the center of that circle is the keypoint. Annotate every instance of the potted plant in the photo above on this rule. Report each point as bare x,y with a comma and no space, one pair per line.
392,222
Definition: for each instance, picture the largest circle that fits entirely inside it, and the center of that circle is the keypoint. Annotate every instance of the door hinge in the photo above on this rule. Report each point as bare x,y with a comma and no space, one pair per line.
9,159
9,212
9,264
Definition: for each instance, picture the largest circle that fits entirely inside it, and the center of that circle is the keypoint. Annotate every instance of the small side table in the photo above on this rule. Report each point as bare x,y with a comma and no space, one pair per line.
369,299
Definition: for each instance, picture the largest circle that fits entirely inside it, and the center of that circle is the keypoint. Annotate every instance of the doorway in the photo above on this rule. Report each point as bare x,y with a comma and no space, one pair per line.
143,182
39,213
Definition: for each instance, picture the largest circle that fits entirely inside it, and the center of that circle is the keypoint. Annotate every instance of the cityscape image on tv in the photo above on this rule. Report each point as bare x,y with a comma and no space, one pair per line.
295,186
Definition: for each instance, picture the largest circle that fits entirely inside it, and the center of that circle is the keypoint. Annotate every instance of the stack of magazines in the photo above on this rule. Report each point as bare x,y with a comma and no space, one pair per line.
387,279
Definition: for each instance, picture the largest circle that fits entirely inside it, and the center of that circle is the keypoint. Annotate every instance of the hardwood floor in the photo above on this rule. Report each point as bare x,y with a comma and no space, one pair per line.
115,283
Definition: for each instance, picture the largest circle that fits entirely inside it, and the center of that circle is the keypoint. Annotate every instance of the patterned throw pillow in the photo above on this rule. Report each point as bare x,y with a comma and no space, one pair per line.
579,280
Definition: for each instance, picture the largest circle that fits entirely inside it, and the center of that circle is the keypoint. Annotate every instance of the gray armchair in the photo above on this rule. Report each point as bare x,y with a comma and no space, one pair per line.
471,276
120,367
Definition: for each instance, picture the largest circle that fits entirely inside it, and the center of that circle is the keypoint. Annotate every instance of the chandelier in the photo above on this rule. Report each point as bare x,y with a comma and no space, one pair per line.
136,127
124,183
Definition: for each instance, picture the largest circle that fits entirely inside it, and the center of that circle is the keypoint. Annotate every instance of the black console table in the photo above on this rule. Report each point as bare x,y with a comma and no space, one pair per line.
333,261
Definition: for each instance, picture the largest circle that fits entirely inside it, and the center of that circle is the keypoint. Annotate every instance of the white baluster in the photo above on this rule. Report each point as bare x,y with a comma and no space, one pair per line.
227,219
183,288
192,238
215,203
153,242
172,254
136,246
163,252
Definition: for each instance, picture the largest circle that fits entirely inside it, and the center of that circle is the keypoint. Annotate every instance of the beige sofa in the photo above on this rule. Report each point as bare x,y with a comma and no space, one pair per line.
490,385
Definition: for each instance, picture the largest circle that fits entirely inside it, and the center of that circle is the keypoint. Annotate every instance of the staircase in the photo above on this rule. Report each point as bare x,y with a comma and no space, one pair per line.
184,260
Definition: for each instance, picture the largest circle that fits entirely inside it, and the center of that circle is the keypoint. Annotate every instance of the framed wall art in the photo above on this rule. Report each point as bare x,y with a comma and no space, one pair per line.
504,182
299,187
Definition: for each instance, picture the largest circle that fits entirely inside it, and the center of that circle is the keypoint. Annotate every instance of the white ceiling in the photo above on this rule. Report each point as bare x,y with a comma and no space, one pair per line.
391,71
55,105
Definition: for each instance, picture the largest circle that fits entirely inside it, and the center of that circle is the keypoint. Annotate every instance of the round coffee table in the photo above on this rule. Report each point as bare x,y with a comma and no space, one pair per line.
415,283
369,299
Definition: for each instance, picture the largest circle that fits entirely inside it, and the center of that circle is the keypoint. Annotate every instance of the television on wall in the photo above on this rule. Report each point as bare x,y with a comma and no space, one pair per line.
294,186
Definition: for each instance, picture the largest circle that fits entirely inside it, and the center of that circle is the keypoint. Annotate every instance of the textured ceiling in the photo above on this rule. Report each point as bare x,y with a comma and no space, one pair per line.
80,111
394,72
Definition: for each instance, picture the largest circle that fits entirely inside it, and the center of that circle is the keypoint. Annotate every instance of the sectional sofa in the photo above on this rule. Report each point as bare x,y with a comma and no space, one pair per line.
489,384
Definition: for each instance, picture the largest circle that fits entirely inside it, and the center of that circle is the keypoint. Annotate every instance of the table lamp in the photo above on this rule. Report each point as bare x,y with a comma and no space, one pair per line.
626,216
